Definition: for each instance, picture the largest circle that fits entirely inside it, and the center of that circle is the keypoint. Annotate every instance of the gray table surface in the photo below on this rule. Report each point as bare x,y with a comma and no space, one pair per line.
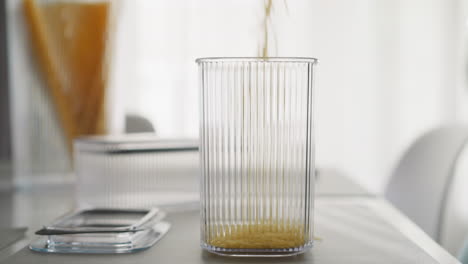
9,236
353,227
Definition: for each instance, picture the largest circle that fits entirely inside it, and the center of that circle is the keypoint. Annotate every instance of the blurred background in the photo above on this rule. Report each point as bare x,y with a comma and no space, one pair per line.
389,72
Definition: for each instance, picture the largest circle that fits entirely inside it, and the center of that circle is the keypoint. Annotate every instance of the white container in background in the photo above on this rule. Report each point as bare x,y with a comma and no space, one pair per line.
136,171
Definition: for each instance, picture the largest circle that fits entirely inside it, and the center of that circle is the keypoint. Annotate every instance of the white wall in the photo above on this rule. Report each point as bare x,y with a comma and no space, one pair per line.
389,70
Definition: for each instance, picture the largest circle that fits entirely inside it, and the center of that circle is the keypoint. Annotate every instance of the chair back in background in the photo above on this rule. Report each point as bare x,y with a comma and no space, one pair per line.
421,185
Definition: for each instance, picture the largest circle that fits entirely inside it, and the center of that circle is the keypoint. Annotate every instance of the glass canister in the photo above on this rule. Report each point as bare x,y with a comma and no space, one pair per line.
58,59
136,171
257,155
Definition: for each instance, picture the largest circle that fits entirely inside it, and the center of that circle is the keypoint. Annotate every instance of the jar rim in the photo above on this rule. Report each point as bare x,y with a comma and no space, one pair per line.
257,59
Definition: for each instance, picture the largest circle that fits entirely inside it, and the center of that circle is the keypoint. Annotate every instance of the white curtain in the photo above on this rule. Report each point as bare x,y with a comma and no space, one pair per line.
389,69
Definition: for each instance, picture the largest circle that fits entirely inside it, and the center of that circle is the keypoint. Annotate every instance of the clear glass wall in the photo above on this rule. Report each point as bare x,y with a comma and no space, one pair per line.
257,155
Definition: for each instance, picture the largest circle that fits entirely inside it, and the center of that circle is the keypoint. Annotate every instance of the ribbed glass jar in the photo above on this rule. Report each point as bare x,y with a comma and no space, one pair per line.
257,155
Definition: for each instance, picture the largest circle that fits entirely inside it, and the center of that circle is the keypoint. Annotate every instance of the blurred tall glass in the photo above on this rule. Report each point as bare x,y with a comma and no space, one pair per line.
58,59
257,155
